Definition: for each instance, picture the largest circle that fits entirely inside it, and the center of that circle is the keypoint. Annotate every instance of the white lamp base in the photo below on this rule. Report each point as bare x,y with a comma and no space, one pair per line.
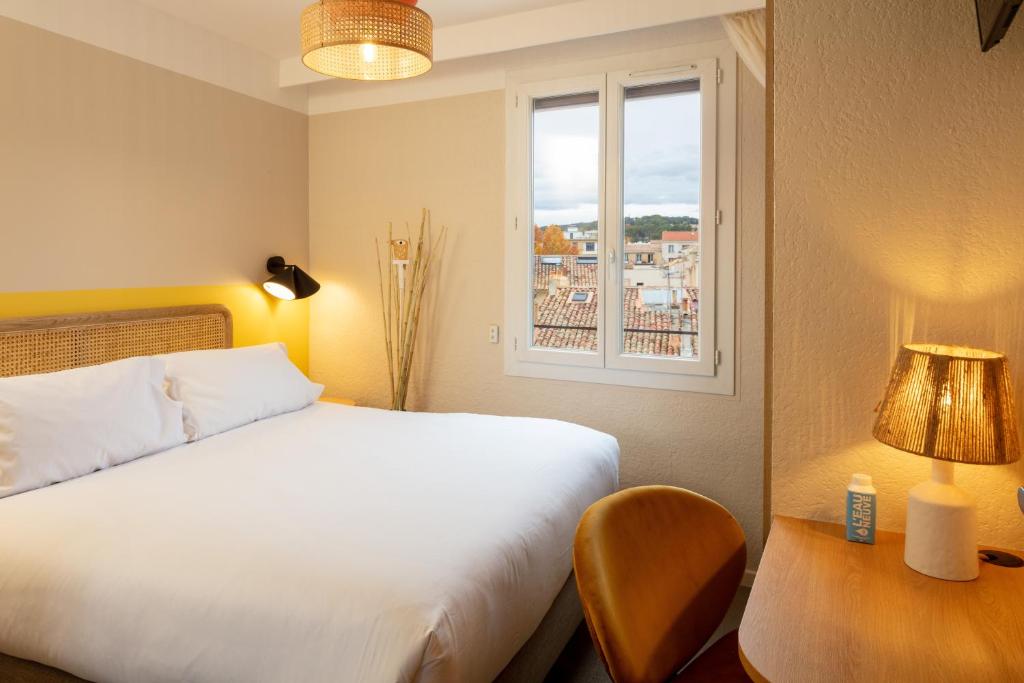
942,528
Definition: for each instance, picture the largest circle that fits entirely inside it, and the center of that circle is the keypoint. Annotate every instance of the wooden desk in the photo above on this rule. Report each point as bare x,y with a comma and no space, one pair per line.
825,609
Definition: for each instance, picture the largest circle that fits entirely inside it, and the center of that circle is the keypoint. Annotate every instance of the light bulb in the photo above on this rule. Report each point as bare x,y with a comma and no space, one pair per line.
369,52
279,290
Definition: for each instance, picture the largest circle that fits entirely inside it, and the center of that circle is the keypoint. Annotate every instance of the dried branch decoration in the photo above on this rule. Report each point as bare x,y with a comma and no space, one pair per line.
401,297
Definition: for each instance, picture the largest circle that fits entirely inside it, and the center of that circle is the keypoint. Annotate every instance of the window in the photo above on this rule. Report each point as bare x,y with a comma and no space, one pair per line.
640,156
565,142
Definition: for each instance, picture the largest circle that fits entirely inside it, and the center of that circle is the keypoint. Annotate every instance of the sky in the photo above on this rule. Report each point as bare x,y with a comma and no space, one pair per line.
662,160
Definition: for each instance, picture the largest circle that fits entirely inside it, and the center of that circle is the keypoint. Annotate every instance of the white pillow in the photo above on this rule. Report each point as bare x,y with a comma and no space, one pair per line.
61,425
226,388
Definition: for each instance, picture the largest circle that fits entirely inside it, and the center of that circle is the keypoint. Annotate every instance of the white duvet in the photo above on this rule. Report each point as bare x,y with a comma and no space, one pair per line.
331,544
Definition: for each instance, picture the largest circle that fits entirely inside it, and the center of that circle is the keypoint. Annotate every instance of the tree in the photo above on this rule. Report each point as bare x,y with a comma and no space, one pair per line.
551,240
644,228
648,228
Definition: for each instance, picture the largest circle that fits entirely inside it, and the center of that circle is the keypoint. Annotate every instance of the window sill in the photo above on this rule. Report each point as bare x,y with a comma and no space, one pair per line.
722,383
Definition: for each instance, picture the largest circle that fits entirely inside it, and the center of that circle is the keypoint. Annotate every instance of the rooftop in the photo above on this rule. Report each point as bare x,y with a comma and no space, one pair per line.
561,322
680,236
579,274
643,247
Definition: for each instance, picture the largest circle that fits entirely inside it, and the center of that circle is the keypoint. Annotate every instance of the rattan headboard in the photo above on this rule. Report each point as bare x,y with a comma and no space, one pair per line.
48,344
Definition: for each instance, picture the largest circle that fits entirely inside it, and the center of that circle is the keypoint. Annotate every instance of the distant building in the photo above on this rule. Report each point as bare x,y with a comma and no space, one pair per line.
643,254
679,243
585,240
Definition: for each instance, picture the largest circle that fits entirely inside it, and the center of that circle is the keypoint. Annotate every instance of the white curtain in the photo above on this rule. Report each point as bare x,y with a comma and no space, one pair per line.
747,33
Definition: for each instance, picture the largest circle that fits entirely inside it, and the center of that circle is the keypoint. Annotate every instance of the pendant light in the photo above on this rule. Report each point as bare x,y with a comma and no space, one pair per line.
367,40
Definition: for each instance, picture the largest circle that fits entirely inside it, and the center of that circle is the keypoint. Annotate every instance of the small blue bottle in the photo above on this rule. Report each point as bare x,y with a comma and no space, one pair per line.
861,510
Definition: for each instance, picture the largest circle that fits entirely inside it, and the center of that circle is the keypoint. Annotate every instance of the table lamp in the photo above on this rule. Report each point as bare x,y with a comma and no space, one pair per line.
951,404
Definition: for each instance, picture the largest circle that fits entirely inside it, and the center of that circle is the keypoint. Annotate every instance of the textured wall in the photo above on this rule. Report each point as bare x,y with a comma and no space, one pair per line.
115,173
374,165
899,157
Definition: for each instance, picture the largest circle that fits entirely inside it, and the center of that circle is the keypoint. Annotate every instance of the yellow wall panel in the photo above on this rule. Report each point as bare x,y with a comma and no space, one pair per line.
258,318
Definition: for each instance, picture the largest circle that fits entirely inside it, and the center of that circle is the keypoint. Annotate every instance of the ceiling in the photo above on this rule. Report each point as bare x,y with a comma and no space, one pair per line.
272,26
251,46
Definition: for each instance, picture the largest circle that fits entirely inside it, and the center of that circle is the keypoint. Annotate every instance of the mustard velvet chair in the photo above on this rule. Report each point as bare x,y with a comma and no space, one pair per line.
657,568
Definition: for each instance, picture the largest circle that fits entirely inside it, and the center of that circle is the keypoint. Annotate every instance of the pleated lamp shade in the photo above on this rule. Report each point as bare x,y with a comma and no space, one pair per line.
950,403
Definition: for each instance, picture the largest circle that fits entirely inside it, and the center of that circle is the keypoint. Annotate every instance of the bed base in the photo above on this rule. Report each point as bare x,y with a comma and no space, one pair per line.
535,659
530,665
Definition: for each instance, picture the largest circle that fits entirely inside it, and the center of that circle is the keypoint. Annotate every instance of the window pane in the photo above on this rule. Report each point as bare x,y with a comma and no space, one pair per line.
565,179
661,231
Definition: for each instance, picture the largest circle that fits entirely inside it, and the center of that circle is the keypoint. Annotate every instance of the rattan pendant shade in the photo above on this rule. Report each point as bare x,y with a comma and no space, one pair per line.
950,403
367,40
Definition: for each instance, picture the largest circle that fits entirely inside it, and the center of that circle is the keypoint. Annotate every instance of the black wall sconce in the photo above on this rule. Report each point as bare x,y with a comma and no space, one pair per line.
289,282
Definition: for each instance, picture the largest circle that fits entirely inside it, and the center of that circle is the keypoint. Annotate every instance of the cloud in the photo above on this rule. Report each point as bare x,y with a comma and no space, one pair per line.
565,171
661,159
582,213
667,175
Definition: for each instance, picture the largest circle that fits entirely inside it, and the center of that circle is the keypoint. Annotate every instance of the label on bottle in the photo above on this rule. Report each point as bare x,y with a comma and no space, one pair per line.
860,517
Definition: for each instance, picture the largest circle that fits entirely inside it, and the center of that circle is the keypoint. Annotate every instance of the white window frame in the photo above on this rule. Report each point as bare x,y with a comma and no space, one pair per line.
522,228
706,71
714,372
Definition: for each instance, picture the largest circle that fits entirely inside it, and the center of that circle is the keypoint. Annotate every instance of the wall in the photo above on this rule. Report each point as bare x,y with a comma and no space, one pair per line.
370,166
142,31
899,153
123,184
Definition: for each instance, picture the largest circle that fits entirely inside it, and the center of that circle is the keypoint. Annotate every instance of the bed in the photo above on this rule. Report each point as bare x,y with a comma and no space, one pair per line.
334,543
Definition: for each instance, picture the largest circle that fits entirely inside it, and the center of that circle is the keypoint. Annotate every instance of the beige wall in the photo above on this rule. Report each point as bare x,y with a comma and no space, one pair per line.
114,173
899,158
374,165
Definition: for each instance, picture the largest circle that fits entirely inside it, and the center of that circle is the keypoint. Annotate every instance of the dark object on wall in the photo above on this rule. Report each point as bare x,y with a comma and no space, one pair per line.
289,281
994,17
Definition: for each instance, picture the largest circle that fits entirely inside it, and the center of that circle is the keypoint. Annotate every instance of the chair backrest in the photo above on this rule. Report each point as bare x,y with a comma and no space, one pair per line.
656,568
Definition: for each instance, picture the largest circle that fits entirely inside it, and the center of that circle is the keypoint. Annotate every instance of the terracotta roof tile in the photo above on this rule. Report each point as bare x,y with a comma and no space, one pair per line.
680,236
565,324
579,274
